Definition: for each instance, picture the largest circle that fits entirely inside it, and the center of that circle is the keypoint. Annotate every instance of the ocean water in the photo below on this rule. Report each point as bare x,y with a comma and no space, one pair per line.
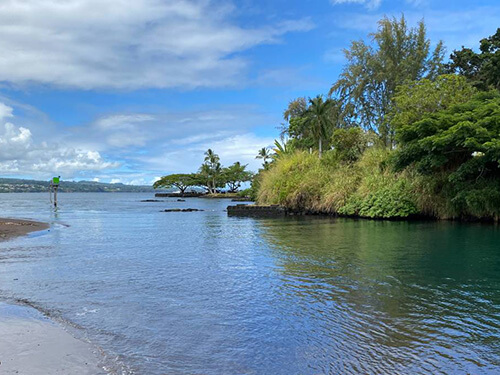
203,293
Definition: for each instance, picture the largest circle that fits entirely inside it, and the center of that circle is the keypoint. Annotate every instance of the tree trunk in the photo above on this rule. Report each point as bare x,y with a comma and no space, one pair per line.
320,147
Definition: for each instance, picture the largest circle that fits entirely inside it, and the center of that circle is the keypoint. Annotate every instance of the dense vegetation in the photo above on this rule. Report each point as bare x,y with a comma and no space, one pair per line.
401,133
211,176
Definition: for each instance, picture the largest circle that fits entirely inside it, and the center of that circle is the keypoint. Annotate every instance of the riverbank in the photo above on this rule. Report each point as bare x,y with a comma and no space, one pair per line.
32,344
10,228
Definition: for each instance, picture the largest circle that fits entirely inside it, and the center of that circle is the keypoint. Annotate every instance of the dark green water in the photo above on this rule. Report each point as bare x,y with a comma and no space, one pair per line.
394,297
203,293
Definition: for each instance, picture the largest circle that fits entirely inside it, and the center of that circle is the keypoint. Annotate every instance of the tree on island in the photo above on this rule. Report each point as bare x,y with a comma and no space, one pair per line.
210,172
179,181
234,175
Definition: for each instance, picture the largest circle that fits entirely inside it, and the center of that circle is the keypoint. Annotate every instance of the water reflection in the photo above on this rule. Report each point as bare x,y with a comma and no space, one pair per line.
386,297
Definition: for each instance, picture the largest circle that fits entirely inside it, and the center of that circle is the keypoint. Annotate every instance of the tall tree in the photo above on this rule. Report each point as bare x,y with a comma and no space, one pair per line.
265,155
318,120
414,100
211,170
372,73
481,69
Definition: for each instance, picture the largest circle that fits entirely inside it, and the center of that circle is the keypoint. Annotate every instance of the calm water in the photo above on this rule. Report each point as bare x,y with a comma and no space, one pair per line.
201,293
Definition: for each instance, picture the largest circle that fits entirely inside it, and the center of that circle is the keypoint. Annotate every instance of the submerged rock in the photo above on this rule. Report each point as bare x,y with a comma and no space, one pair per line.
152,200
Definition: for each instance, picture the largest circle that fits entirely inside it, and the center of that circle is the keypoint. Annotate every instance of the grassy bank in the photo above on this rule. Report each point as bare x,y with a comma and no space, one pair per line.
371,188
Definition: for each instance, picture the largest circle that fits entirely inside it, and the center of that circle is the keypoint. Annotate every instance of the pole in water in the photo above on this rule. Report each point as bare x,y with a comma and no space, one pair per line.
54,185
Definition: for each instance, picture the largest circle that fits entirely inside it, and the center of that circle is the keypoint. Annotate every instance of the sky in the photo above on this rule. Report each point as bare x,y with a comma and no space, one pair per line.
128,91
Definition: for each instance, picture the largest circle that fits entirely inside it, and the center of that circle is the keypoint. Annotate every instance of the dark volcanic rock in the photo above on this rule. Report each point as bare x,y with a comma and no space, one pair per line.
181,210
152,200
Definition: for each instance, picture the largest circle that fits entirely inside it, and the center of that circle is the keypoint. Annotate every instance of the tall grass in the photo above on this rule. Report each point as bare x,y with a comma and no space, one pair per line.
369,187
365,188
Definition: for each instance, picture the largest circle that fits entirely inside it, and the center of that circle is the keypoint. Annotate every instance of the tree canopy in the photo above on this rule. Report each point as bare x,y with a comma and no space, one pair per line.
481,69
180,181
464,139
413,100
372,73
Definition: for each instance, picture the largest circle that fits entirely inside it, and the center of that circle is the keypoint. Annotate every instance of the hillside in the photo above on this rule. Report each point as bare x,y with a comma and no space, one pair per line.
14,185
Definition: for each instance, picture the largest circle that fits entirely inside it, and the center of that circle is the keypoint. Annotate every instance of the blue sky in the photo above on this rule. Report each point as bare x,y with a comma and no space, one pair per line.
122,91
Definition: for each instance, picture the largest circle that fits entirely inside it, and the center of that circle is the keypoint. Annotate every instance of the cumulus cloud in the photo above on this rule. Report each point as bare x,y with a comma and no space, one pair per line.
122,44
21,155
232,148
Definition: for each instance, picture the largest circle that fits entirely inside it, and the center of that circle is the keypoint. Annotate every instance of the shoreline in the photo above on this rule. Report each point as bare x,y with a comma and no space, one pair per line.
10,228
32,344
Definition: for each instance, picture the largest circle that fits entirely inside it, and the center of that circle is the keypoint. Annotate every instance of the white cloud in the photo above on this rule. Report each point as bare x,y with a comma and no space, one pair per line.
122,44
242,148
21,155
5,111
370,4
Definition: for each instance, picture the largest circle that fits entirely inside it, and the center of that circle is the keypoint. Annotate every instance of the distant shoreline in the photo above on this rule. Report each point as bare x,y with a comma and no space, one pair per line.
10,228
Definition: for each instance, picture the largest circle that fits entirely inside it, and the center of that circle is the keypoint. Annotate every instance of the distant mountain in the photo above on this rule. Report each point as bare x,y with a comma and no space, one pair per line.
14,185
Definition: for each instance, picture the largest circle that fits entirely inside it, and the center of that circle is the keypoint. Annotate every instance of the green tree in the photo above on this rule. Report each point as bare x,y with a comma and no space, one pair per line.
265,155
370,78
211,171
462,142
318,120
282,148
414,100
350,143
179,181
234,175
481,69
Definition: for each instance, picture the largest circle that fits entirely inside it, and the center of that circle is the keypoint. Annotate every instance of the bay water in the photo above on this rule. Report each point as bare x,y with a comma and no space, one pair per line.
204,293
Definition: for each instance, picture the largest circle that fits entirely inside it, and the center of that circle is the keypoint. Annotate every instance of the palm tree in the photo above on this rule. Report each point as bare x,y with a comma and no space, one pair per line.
318,119
264,154
211,157
213,168
280,149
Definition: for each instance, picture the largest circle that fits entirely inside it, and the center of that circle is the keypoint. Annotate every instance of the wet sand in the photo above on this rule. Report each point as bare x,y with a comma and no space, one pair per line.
32,344
10,228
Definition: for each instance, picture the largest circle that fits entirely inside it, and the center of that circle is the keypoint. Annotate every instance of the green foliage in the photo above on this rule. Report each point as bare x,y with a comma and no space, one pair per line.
365,188
179,181
318,120
464,139
481,69
372,74
210,172
463,143
349,144
413,100
265,155
391,199
234,175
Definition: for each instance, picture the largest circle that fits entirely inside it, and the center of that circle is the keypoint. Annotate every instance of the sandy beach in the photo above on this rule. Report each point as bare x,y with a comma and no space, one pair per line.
10,228
32,344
